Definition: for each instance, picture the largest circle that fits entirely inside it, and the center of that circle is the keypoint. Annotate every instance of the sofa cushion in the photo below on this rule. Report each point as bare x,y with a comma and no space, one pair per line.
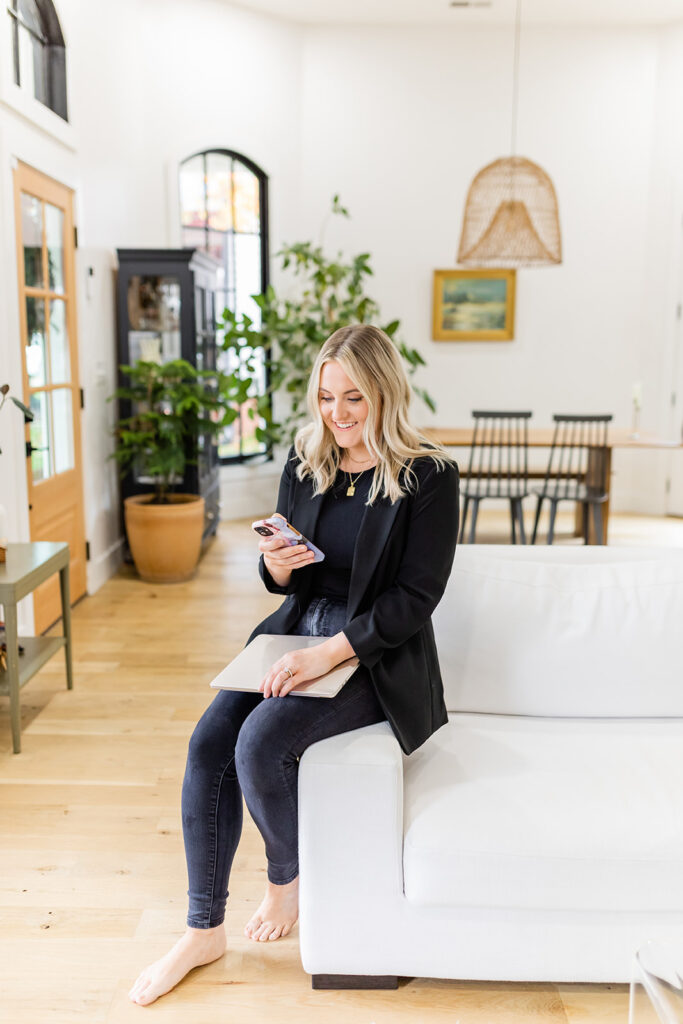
564,631
549,814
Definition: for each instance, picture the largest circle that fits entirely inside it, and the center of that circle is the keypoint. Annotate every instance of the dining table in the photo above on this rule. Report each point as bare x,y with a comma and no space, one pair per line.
542,437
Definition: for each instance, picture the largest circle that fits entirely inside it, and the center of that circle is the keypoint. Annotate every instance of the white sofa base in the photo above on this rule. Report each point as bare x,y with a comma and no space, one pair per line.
355,919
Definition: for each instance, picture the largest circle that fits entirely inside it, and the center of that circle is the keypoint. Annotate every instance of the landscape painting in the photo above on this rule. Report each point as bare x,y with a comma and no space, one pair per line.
474,305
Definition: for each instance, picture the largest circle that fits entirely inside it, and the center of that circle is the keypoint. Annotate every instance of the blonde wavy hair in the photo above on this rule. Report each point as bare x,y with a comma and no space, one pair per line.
371,360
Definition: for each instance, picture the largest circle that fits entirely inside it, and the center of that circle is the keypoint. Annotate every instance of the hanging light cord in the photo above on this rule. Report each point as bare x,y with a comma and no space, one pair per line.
515,78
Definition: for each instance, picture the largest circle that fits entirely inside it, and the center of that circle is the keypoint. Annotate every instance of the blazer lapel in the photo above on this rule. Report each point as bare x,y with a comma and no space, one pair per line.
373,534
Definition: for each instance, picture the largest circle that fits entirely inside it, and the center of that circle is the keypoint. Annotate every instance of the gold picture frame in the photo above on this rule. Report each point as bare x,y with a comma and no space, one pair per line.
474,305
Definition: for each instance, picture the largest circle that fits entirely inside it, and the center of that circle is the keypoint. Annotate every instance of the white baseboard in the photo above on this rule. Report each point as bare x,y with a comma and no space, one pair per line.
102,568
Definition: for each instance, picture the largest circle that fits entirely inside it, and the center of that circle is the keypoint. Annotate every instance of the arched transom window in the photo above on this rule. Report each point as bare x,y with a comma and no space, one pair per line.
38,52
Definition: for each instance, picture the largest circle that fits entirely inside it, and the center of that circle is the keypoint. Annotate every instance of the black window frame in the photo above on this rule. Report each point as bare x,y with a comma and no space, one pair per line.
262,178
51,40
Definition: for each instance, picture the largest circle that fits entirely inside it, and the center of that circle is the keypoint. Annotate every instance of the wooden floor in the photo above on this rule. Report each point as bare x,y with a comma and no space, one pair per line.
93,874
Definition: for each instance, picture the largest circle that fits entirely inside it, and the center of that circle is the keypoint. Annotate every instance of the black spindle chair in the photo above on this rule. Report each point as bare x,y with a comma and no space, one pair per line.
498,467
577,470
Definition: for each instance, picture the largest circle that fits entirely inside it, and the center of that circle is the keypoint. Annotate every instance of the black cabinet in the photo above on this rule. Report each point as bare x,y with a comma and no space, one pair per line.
166,305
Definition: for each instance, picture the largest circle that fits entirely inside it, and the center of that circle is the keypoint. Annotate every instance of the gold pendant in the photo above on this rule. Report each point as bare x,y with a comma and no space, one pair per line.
350,491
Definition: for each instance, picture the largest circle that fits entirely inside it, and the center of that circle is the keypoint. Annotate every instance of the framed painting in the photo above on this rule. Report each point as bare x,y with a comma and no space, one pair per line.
474,305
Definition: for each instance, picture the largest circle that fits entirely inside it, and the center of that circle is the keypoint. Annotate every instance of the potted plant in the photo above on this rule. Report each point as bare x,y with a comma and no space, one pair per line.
331,294
28,416
172,405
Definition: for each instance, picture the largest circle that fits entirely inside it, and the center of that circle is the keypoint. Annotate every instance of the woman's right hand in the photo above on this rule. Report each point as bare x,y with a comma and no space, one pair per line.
282,558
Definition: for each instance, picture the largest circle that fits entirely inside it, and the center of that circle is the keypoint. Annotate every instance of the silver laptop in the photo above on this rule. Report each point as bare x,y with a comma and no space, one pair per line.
246,671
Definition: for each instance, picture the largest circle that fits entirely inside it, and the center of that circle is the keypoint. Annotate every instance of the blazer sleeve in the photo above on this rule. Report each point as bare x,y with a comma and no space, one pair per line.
281,507
425,567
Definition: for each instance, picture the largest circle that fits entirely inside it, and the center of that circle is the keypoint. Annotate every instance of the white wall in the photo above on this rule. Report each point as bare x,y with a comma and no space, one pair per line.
149,84
400,120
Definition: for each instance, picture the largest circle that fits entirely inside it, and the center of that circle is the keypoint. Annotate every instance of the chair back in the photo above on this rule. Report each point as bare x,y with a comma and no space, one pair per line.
498,466
577,465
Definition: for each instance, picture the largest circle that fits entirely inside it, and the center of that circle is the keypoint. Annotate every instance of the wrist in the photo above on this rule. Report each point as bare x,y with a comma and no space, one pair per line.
338,649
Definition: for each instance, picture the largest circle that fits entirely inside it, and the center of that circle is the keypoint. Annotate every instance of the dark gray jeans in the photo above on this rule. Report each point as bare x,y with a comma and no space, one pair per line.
246,744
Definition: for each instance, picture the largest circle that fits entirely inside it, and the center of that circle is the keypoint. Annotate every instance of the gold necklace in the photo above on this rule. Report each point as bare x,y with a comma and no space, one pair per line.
351,489
359,462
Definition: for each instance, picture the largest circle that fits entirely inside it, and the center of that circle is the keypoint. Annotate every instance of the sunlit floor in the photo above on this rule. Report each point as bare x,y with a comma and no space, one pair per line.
91,847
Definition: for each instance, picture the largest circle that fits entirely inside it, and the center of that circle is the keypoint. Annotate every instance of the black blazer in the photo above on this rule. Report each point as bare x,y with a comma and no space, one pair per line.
401,564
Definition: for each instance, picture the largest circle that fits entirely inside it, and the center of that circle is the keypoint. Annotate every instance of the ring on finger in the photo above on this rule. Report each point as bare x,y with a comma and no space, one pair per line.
288,671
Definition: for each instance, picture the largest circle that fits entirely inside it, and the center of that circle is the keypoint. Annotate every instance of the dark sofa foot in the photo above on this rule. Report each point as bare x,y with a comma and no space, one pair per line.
340,981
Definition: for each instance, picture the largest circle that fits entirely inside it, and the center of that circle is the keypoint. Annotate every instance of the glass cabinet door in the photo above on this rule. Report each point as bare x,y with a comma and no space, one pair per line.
154,304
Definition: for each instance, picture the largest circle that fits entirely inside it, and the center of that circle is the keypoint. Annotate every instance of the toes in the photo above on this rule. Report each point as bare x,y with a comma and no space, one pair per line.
262,931
139,985
252,925
276,933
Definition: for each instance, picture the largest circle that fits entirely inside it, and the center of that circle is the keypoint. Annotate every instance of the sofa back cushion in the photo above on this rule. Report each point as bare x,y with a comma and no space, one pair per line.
570,631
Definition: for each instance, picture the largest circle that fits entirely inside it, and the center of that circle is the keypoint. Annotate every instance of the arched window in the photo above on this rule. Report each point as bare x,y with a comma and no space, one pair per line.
224,211
38,52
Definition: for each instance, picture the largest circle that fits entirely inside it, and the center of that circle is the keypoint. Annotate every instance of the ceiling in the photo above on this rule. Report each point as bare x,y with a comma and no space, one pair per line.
480,12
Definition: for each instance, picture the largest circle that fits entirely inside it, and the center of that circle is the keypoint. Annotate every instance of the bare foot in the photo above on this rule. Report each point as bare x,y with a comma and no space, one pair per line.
197,947
278,913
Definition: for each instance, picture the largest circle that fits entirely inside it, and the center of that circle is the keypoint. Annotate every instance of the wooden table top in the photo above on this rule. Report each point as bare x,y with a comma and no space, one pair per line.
542,437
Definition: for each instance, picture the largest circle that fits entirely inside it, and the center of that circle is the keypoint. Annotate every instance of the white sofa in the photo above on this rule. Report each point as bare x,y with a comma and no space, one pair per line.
539,835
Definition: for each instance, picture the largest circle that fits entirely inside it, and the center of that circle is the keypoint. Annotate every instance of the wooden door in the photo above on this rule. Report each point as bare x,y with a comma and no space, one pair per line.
47,305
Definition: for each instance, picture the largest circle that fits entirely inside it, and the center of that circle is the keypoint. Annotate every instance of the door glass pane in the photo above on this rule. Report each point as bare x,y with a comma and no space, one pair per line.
36,349
154,316
62,429
60,368
41,462
32,239
54,233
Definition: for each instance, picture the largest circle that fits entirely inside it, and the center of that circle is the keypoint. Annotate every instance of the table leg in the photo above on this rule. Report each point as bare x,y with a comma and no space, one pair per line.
66,623
12,641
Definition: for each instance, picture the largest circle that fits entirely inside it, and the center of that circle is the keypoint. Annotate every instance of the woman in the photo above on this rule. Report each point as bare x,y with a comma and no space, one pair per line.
382,504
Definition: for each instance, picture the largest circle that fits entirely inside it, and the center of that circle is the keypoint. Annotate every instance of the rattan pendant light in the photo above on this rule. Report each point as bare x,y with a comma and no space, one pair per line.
511,217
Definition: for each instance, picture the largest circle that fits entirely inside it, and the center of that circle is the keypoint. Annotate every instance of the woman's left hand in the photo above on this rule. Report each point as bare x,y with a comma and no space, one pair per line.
305,664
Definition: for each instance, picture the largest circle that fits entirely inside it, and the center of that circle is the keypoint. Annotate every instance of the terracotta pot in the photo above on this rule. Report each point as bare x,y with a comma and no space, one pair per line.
165,539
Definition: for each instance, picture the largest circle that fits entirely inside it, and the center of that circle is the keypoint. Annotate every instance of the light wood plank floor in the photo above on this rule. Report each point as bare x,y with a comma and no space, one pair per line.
93,875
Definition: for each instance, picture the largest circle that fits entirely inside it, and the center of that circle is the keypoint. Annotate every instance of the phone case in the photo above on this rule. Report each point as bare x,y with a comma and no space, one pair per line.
280,524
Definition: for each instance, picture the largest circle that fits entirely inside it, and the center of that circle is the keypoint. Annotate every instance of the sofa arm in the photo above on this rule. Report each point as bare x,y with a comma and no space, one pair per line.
350,836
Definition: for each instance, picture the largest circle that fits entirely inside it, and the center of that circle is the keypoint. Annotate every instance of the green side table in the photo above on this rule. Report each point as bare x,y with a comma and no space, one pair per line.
27,566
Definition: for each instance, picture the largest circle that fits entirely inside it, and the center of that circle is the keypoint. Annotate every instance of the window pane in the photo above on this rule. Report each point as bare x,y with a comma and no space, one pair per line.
32,239
219,198
41,462
246,186
247,278
54,231
60,366
217,245
36,348
32,64
192,200
62,430
30,15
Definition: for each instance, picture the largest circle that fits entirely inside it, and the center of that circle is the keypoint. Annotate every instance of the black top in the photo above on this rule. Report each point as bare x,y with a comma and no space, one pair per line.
336,532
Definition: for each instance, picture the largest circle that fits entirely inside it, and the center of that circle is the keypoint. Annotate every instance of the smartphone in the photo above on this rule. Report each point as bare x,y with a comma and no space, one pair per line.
278,524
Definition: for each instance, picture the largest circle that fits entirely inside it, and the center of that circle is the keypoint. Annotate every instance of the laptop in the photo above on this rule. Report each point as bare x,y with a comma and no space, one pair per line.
246,671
